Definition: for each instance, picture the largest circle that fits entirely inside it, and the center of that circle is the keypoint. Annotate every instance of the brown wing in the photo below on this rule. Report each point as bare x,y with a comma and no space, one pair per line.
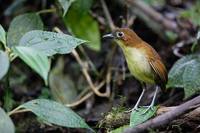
157,66
160,71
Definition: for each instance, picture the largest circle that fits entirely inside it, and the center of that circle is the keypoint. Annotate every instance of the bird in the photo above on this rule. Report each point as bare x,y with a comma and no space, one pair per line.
143,62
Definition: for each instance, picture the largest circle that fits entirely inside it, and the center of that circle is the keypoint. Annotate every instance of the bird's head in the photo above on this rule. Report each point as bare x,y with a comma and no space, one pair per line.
124,37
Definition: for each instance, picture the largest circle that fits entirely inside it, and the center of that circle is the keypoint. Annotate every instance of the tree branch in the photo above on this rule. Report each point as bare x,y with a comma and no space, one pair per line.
107,15
153,19
166,117
190,119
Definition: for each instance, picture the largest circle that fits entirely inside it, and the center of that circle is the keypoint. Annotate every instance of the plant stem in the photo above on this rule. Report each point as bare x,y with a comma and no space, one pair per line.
107,15
89,60
18,110
46,11
12,57
14,110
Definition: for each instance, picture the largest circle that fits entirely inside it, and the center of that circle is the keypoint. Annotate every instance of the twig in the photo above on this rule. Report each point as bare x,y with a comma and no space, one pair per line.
100,19
82,93
107,15
130,18
176,48
18,110
89,80
89,60
47,11
153,19
14,110
165,118
21,111
108,80
85,72
192,116
78,102
154,14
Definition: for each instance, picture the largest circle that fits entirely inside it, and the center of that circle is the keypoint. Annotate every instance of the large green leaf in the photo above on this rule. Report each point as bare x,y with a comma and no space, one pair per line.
137,117
4,64
6,124
65,5
22,24
82,6
50,43
2,35
83,25
55,113
35,59
186,74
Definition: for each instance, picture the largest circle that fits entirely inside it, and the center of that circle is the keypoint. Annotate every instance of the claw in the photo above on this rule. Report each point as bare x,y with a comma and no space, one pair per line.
148,108
137,103
128,111
144,106
135,109
131,110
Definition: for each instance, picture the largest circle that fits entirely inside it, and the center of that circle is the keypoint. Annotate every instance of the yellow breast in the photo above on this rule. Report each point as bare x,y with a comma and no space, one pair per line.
138,64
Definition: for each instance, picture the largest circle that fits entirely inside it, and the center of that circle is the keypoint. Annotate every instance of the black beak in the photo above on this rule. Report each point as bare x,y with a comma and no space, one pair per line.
108,36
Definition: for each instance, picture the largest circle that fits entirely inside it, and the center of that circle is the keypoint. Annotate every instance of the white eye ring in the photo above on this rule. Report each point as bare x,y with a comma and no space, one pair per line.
120,34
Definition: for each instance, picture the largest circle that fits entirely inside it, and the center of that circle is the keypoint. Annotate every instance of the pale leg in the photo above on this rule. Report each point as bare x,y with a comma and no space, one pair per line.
152,102
138,101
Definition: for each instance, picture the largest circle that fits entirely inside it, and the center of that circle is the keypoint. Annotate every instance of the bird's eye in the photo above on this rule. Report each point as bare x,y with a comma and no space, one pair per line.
120,34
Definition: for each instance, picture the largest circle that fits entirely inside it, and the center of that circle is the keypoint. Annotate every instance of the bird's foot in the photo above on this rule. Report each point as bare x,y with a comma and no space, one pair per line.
150,107
131,110
128,111
135,109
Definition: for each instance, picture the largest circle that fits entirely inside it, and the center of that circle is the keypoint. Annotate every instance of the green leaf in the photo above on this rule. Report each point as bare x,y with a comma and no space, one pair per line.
77,21
8,101
185,73
2,35
6,124
4,64
65,5
193,13
82,6
35,59
137,117
50,43
22,24
55,113
90,32
120,129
